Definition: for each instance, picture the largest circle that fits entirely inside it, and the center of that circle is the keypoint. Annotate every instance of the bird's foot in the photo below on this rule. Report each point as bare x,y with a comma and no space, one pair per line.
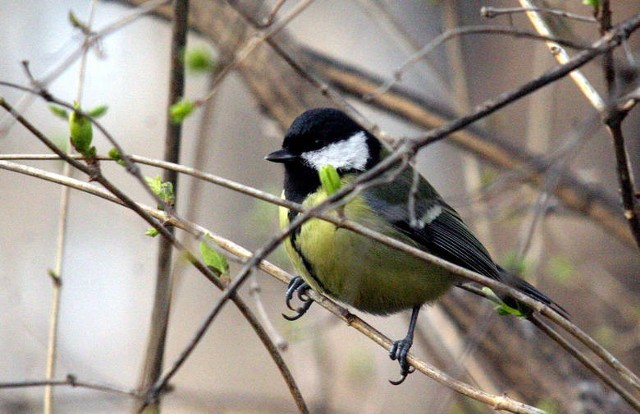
399,351
300,288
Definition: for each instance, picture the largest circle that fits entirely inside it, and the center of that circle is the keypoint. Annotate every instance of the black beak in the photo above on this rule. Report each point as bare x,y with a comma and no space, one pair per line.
282,155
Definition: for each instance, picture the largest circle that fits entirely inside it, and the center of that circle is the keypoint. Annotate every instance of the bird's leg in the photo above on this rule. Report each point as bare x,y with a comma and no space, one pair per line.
298,286
400,348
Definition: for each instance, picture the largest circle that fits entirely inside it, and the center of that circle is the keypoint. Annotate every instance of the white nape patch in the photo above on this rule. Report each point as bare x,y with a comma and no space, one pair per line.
431,214
348,154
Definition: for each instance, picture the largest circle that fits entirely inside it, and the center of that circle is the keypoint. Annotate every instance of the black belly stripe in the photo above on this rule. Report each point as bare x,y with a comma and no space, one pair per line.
305,262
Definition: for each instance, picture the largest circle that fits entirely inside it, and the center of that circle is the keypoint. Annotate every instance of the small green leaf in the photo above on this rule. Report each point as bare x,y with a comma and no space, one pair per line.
199,59
75,22
167,194
59,112
179,111
151,232
155,184
81,131
98,111
329,179
115,155
502,308
592,3
214,260
164,190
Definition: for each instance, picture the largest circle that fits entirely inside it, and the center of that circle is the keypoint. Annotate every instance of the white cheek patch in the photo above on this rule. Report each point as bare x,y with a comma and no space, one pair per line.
348,154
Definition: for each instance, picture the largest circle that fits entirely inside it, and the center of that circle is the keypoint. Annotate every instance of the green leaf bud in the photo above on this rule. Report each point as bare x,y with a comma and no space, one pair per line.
329,179
179,111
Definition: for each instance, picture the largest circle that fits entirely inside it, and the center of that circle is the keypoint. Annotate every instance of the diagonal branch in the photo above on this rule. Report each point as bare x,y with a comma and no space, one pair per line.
161,226
256,259
499,402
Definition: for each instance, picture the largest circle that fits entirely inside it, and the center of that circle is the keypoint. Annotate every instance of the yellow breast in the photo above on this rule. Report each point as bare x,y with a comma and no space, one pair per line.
357,270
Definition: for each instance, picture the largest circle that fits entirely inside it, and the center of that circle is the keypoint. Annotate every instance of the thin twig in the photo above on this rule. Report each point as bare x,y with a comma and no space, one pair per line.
561,55
253,42
95,175
284,277
254,291
96,37
563,157
461,31
501,402
491,12
268,21
584,359
72,381
63,211
625,179
613,120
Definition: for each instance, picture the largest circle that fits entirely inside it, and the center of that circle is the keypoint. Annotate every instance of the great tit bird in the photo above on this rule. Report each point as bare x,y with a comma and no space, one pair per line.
354,269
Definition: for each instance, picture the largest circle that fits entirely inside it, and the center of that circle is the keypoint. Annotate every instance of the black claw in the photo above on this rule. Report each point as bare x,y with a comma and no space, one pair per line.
400,349
300,288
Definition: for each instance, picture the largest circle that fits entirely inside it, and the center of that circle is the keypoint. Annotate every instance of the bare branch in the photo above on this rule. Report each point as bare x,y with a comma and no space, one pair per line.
460,31
499,402
268,21
253,42
254,291
574,192
159,323
561,55
613,117
95,174
491,12
71,381
628,397
54,315
570,328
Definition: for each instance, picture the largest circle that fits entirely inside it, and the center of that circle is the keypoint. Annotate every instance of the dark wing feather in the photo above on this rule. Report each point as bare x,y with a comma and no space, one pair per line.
446,235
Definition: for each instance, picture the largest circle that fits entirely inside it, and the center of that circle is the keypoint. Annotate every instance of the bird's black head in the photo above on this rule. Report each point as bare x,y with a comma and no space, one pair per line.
319,137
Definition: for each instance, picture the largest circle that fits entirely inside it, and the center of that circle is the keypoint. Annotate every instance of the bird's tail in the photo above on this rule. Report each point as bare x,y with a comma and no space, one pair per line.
529,290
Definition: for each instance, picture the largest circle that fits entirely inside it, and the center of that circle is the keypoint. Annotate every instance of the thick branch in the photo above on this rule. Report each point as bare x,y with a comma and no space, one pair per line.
159,323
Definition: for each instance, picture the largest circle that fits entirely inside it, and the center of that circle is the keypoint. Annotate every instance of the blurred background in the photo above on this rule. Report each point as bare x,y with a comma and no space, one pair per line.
109,265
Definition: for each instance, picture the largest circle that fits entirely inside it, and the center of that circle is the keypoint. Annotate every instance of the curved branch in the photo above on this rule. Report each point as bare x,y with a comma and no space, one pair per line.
499,402
256,260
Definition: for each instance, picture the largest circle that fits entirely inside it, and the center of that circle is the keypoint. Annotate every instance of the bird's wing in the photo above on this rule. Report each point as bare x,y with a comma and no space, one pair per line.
437,228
